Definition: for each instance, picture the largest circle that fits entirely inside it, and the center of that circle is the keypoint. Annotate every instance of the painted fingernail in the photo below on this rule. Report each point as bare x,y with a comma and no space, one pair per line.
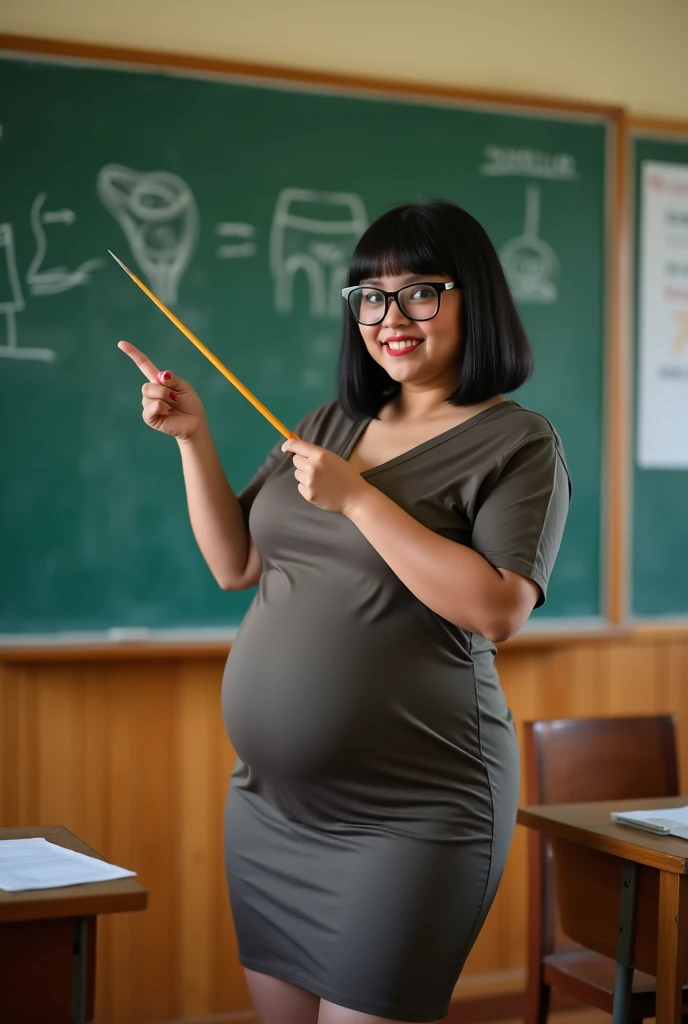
174,396
165,375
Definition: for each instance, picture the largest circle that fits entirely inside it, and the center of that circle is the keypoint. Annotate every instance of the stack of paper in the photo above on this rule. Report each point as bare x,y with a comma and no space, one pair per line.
666,821
38,864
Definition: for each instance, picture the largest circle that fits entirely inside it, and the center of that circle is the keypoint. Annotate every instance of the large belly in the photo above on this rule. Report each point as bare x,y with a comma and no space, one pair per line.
298,693
315,687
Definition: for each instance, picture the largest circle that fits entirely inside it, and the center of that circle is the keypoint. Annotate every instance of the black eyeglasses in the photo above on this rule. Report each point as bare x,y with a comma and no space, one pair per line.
420,301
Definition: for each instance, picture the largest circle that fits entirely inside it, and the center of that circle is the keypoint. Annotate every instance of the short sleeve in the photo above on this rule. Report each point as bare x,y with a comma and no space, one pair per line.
522,508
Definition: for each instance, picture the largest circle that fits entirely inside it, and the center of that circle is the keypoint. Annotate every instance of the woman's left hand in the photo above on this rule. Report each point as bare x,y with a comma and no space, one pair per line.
324,479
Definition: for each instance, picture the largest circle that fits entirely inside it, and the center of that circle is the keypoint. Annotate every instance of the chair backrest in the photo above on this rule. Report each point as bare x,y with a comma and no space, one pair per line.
576,760
579,760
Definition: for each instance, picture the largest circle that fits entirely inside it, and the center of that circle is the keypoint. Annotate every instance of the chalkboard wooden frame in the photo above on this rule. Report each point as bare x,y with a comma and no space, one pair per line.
616,371
644,129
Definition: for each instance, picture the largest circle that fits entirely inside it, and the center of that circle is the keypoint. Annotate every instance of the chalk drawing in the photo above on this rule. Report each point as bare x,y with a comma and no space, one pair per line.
12,302
314,233
159,217
529,263
236,250
57,279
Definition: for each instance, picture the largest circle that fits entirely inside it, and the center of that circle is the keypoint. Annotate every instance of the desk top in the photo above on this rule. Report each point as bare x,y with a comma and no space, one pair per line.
590,825
70,900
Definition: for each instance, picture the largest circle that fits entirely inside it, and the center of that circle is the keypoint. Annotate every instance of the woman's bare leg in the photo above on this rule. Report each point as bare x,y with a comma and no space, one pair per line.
330,1013
280,1002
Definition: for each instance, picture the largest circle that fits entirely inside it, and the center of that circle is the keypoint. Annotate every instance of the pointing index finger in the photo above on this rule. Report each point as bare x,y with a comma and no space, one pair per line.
147,368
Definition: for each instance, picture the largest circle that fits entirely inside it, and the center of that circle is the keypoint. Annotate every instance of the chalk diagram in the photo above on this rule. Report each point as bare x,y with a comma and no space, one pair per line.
12,302
530,263
57,279
314,233
241,244
159,217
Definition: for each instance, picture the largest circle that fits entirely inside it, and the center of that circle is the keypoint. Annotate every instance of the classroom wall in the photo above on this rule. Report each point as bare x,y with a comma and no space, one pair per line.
131,755
629,52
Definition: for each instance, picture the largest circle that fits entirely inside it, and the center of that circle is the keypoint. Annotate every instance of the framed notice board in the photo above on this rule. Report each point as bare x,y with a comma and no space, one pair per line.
659,478
238,194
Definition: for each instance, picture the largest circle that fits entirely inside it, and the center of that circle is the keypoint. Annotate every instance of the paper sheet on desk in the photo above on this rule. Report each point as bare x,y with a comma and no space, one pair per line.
671,821
37,864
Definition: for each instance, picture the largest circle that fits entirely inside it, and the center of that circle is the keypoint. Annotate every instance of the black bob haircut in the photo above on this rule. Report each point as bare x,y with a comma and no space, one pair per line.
437,238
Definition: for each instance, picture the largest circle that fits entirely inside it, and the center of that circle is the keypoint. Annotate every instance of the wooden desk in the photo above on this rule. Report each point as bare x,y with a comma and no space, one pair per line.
47,940
622,892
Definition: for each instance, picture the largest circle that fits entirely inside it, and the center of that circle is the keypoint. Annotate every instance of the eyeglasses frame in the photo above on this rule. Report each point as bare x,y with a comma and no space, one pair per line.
439,286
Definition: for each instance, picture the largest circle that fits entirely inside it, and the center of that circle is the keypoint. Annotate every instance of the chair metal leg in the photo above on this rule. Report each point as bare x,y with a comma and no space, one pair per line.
623,985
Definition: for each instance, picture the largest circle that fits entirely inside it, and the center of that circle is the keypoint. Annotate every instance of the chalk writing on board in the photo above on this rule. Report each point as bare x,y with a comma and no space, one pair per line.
314,233
57,279
530,263
238,249
519,161
12,302
158,214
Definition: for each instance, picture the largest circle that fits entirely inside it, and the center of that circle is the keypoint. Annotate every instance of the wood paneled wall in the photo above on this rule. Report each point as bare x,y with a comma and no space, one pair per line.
132,756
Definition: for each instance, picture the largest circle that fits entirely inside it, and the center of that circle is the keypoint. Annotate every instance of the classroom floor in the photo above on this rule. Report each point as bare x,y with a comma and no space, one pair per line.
573,1017
583,1016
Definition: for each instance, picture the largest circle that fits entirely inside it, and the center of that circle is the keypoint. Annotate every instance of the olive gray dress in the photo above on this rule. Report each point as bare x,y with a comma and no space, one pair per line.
372,806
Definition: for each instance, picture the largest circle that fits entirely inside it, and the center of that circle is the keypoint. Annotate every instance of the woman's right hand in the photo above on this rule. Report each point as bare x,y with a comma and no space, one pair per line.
169,404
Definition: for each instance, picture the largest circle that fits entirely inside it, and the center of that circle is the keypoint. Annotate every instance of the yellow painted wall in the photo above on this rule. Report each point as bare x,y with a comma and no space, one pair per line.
630,52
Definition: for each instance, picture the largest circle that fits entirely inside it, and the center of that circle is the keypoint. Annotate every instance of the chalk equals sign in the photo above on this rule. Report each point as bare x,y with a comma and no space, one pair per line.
242,233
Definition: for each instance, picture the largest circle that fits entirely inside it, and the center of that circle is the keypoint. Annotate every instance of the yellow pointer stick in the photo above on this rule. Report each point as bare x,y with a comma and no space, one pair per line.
208,354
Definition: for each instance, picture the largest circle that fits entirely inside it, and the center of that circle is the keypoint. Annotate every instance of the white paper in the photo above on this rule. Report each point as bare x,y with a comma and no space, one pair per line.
663,317
678,816
38,864
660,820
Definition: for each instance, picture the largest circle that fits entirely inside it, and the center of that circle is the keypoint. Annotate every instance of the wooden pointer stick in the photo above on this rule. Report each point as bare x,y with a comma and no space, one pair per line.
208,354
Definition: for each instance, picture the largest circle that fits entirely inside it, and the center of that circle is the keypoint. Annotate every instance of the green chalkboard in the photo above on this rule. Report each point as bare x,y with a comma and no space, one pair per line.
659,535
239,202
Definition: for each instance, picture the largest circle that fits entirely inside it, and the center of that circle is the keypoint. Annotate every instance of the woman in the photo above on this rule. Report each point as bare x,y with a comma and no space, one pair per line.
412,526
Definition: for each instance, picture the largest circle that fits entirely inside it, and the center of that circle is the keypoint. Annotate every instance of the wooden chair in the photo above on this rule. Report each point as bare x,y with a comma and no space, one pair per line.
578,760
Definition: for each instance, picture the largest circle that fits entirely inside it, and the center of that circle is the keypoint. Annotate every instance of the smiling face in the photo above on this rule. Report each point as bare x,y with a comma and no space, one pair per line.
419,355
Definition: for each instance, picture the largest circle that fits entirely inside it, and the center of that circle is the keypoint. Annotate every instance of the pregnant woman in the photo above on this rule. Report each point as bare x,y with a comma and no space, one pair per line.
413,524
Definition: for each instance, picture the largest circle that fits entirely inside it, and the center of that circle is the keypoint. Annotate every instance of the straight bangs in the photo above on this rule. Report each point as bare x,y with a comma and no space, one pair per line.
398,244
